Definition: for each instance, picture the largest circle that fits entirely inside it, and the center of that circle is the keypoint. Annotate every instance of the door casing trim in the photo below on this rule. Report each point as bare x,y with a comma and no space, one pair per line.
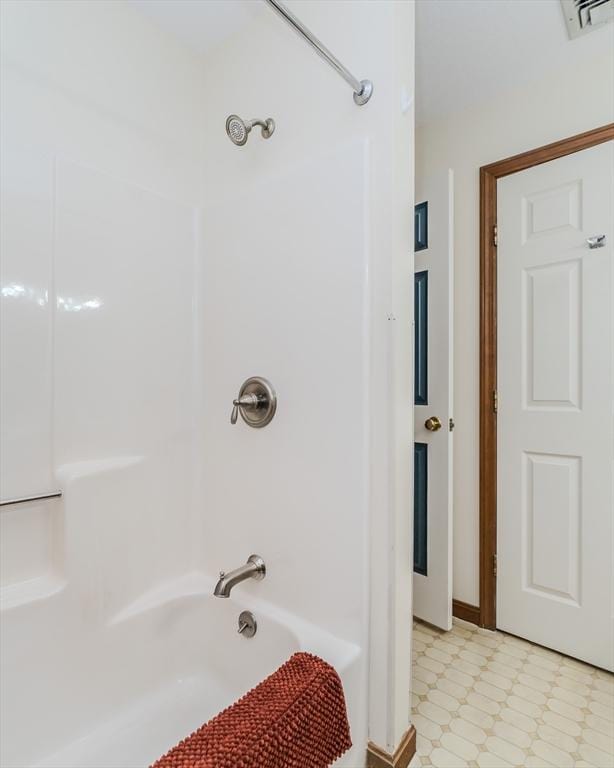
489,174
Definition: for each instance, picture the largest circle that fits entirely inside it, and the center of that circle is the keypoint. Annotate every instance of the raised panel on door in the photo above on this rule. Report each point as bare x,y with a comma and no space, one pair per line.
552,307
551,549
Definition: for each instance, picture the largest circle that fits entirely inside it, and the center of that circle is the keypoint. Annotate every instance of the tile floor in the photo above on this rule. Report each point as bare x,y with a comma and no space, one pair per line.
488,699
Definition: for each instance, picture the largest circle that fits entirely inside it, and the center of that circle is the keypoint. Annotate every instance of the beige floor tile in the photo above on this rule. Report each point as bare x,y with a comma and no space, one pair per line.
504,670
424,746
488,760
513,735
459,746
506,659
490,640
419,688
518,719
506,751
603,698
530,681
436,667
512,650
607,713
543,661
569,697
556,738
490,691
552,754
499,681
542,674
459,630
563,724
476,716
478,648
599,724
575,674
420,636
452,688
458,677
606,685
473,658
428,677
434,712
443,700
443,645
441,656
572,685
549,654
467,730
477,699
427,727
529,694
595,756
599,740
489,700
536,762
462,665
441,758
527,708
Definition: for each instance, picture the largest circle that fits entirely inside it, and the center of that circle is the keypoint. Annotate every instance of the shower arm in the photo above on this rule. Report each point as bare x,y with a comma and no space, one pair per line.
362,88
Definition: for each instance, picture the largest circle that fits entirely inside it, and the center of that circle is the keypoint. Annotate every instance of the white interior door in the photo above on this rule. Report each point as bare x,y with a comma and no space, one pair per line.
556,398
433,290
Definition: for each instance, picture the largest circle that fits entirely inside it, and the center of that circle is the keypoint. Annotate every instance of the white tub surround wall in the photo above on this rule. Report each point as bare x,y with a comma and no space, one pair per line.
577,98
101,175
306,283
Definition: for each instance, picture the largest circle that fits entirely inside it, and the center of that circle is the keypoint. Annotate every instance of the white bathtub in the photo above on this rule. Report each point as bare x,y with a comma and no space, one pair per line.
151,676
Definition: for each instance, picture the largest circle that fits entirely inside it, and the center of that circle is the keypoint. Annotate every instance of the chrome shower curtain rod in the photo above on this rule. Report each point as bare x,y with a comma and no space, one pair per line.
362,88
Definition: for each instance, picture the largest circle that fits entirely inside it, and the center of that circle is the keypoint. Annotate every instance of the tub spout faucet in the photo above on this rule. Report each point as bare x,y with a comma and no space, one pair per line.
254,568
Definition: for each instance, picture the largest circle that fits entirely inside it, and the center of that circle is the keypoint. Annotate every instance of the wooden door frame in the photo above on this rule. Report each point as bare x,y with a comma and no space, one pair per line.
489,174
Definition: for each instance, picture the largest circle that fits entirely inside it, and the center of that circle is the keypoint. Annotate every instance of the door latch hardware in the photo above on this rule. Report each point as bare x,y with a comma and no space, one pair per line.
452,425
433,423
494,565
598,241
495,236
495,401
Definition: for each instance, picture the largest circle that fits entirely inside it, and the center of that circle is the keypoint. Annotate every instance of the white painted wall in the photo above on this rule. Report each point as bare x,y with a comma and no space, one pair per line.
580,96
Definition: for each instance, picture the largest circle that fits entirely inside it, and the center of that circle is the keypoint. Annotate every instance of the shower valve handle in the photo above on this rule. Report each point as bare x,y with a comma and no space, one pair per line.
256,402
245,401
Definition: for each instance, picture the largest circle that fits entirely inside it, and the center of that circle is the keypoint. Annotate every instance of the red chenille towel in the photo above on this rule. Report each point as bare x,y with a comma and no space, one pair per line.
296,718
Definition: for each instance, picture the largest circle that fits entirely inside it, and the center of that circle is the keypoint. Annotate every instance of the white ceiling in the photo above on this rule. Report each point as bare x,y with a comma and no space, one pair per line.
467,51
201,24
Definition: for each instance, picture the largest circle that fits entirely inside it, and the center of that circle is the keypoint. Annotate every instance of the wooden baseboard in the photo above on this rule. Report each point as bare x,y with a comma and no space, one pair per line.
379,758
466,612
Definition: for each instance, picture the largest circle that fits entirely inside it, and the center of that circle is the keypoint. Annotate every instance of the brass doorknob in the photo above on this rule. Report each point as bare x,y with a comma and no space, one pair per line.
433,424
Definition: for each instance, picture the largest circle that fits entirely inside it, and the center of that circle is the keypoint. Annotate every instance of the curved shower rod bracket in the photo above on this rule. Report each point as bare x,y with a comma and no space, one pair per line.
363,89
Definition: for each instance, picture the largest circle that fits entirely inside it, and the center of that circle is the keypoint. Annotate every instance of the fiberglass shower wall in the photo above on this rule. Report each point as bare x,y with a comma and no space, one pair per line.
101,176
306,263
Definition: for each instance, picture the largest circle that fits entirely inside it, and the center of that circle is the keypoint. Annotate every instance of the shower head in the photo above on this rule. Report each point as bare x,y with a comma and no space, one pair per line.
238,129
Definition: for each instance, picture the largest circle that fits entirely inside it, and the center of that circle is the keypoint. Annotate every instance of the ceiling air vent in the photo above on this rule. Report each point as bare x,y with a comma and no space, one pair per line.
584,15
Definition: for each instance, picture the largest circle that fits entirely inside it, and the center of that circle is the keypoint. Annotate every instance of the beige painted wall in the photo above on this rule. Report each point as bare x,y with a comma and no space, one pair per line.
575,100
